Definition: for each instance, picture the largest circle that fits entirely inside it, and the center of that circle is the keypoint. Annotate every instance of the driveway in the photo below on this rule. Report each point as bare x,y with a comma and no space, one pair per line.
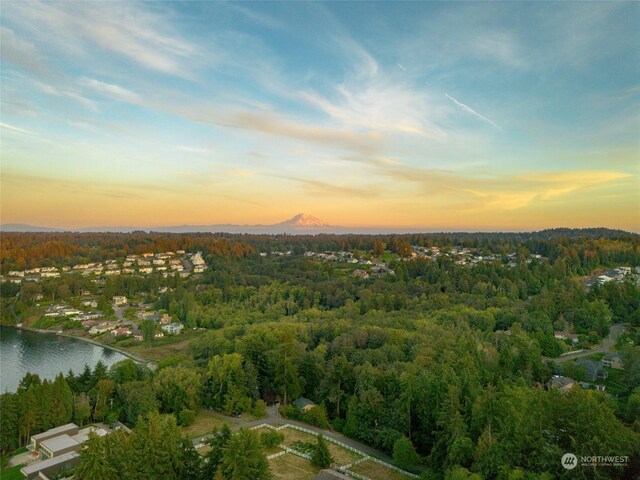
119,311
273,417
607,345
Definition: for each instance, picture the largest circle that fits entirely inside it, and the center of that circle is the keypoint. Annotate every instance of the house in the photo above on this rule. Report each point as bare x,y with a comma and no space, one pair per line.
613,360
304,404
173,328
199,269
36,440
602,279
119,300
592,368
120,331
102,328
360,274
563,384
51,467
566,336
90,303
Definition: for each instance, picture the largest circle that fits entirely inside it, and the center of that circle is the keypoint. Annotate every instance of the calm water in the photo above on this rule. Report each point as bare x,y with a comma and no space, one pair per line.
47,355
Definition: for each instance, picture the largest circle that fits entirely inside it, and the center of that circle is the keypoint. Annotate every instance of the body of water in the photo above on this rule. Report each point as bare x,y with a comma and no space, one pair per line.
47,355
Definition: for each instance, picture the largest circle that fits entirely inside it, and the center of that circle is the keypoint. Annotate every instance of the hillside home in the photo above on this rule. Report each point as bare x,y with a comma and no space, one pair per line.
613,360
173,328
593,369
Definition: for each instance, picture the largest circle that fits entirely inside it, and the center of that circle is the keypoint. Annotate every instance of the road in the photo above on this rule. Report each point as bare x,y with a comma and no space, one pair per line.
607,345
119,311
273,417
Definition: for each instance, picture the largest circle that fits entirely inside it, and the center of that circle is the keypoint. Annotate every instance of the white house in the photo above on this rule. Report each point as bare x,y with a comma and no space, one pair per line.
119,300
173,328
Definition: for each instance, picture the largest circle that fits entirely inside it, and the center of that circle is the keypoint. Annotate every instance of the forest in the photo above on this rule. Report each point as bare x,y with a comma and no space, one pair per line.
442,365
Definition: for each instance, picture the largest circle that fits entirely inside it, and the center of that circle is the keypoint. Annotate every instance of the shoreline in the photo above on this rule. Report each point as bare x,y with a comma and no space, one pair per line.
130,355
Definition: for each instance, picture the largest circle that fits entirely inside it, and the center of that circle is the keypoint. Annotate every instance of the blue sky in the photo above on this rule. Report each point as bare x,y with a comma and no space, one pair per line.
442,115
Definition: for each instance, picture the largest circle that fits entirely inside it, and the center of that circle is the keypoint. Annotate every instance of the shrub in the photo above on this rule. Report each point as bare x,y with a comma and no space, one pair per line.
271,439
259,409
186,417
316,416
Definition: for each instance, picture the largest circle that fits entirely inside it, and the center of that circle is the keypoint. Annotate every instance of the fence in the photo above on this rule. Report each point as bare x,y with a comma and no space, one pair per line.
275,455
339,443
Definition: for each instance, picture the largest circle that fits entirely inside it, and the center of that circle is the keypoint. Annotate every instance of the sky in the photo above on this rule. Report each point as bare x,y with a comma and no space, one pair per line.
453,116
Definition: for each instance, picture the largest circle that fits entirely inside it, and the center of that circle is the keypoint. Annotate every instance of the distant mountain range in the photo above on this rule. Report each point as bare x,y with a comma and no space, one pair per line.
300,223
303,224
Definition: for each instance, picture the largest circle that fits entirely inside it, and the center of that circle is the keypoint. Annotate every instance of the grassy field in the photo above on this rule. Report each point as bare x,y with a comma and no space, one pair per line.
292,467
615,381
291,435
11,473
162,347
206,420
341,456
375,471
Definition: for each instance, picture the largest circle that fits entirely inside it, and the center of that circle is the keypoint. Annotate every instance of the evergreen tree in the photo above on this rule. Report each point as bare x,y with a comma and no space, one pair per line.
218,443
321,457
244,458
9,422
105,458
81,409
158,441
404,453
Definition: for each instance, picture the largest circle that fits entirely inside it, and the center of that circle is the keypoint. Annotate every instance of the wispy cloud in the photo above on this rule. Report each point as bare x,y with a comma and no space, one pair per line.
318,187
470,110
112,91
13,128
139,34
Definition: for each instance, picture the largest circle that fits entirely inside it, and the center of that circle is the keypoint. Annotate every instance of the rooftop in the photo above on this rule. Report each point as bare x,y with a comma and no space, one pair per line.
303,402
55,431
50,462
59,443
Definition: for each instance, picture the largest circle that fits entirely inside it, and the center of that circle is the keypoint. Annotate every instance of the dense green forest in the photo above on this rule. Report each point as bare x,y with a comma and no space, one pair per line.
447,359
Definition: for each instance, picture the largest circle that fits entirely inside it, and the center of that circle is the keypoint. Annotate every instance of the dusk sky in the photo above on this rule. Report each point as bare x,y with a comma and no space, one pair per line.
479,116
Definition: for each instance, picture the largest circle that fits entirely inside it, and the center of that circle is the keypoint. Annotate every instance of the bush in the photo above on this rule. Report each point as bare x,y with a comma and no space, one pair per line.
304,447
337,424
259,409
316,416
186,417
271,439
289,411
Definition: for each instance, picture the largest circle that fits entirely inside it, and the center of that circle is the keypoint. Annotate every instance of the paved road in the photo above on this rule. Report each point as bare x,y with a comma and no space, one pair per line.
273,417
607,345
119,311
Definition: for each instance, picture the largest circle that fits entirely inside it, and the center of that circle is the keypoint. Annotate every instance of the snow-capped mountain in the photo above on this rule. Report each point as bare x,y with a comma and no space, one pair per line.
302,220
